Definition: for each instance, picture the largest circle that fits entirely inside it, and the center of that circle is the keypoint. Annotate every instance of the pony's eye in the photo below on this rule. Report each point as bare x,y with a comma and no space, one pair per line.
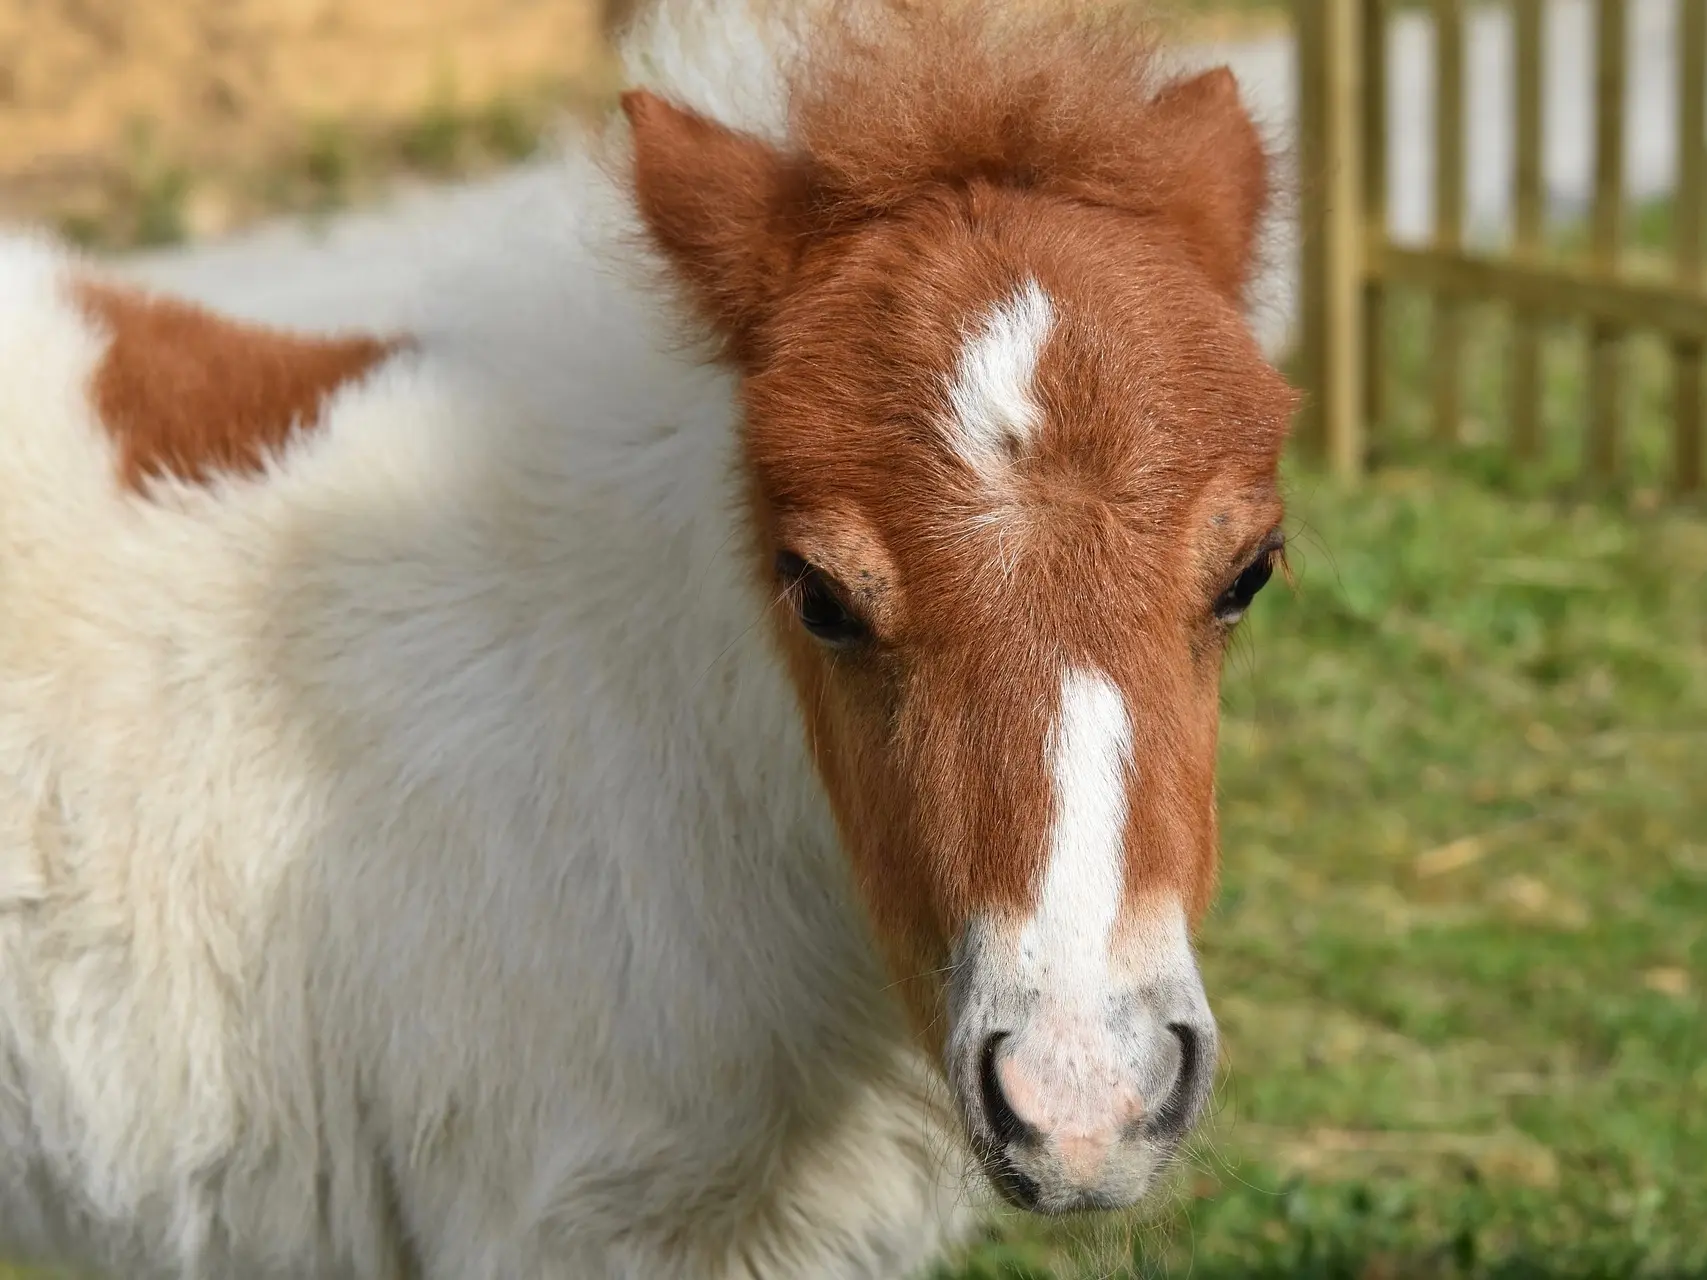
818,601
1237,598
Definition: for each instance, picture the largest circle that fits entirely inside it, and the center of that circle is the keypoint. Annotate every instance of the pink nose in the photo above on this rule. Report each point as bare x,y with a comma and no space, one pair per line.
1079,1108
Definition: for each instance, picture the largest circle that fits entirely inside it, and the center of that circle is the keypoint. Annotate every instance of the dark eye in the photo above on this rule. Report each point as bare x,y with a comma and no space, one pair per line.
818,602
1237,598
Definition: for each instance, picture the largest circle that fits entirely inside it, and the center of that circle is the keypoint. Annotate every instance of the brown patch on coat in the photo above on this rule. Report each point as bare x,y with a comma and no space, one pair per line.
939,156
187,393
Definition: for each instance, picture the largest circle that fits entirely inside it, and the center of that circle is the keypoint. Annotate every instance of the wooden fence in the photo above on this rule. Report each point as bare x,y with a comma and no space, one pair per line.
1350,262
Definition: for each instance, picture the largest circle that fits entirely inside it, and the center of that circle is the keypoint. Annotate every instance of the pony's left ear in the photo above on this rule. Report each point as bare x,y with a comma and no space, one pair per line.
1218,208
714,203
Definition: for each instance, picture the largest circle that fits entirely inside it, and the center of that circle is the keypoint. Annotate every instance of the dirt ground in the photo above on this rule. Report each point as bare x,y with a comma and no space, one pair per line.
130,122
102,93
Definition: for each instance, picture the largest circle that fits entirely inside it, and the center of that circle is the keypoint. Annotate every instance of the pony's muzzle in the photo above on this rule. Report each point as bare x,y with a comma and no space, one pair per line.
1073,1106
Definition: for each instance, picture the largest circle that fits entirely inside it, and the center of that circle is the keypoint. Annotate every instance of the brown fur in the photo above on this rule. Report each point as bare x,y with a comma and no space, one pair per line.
190,394
938,157
1050,99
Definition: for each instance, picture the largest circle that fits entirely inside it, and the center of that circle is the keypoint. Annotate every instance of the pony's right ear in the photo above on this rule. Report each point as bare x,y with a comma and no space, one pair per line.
714,203
1218,211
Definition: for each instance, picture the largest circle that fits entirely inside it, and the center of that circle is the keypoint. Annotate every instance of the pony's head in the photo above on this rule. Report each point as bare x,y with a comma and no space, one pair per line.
1010,453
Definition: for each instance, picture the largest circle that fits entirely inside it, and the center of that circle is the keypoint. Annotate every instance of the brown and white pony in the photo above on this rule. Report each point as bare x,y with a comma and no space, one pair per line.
556,793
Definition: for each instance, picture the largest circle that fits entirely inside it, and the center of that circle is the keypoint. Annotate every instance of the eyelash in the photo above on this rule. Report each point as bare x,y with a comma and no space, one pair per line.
818,602
1231,604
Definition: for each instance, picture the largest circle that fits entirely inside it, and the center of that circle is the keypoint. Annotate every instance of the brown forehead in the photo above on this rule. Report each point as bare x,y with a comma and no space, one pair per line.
1160,425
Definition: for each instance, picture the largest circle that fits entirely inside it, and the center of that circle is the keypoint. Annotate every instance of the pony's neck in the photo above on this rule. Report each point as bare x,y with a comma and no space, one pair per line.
565,638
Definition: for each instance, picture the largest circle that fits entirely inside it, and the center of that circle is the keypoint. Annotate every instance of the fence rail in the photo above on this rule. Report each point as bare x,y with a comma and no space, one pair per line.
1350,261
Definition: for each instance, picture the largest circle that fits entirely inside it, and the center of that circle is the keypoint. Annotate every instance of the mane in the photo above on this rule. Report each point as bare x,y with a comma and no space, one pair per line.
891,97
876,102
1068,98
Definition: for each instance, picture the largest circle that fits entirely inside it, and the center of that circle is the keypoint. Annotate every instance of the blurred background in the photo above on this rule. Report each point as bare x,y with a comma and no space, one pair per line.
1460,954
132,124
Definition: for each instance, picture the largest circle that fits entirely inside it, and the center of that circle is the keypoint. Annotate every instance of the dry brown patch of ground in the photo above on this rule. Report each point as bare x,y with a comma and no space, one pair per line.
145,119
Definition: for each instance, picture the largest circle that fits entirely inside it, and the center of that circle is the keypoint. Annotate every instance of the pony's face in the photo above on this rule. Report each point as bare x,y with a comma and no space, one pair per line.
1011,461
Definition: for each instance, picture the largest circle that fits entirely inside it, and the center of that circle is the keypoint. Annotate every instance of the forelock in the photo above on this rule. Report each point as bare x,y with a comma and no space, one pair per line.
1039,96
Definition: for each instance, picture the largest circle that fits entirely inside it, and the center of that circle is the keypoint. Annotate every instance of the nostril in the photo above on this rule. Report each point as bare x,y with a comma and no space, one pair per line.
1004,1123
1175,1115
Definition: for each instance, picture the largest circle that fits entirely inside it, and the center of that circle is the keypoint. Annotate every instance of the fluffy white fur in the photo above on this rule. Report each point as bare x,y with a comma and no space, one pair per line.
409,862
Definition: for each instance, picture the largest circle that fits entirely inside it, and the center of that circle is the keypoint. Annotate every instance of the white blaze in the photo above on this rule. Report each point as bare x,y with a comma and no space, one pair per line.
1065,945
995,410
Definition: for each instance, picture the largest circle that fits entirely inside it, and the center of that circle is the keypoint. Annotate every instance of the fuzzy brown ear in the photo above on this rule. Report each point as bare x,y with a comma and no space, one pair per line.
1218,208
713,201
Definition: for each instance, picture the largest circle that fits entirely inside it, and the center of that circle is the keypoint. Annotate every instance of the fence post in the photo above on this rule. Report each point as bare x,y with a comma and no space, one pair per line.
1331,330
1372,143
1528,240
1446,353
1606,233
1687,354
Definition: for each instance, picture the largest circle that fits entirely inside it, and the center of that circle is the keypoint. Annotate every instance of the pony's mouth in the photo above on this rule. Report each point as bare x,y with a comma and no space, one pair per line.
1019,1190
